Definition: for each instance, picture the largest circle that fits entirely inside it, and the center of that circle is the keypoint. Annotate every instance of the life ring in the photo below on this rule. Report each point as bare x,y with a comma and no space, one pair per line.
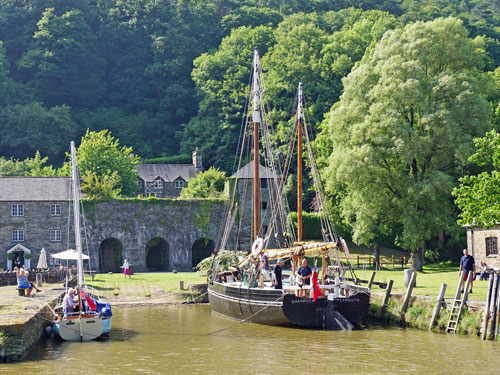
257,246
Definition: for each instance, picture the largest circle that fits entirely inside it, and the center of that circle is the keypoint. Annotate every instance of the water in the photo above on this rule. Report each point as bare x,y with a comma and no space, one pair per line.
172,339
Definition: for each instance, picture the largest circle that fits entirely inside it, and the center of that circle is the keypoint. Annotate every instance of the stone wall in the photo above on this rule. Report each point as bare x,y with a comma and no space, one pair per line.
136,222
54,276
476,244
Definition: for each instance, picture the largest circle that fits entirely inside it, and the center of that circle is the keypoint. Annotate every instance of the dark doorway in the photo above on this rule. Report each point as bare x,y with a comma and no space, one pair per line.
110,255
18,260
202,248
157,254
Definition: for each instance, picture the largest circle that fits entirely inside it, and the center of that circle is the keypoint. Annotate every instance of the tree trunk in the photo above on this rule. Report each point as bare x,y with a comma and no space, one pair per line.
376,253
417,259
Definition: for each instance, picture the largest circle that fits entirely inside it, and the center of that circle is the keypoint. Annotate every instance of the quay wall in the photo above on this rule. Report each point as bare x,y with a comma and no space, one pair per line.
23,336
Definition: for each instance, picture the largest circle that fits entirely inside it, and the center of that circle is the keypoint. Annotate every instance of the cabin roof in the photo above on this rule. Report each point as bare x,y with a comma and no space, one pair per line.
20,188
247,172
167,172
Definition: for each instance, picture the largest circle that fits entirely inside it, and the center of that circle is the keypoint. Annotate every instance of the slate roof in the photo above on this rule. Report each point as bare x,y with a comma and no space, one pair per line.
168,172
34,188
247,172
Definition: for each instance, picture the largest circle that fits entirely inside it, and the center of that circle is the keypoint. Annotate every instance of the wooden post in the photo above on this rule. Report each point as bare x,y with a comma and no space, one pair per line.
486,313
299,165
493,310
408,295
372,278
437,308
256,123
386,298
358,260
370,261
393,264
497,315
181,285
460,285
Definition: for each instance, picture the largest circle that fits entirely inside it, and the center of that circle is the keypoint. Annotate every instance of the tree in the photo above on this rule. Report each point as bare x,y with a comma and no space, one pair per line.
478,196
402,130
107,169
208,184
28,167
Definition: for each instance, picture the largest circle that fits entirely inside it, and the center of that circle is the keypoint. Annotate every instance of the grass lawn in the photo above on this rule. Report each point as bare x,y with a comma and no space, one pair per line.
429,281
142,284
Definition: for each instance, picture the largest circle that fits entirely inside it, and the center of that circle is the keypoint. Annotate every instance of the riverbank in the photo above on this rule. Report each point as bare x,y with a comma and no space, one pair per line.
23,320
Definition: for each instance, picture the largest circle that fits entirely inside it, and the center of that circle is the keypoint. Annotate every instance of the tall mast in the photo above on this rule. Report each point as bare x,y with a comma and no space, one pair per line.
76,213
300,120
256,122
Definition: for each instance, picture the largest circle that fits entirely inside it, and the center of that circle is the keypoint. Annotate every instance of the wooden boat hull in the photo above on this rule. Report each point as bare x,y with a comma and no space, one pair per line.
324,313
264,306
272,307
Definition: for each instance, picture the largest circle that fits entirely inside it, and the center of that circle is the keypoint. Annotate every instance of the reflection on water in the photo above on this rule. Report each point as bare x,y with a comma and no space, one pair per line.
172,339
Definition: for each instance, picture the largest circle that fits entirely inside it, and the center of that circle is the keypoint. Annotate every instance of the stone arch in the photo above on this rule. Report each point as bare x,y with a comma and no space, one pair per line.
157,254
110,255
202,248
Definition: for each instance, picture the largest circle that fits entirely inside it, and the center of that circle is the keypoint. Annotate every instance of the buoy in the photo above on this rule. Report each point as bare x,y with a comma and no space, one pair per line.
257,246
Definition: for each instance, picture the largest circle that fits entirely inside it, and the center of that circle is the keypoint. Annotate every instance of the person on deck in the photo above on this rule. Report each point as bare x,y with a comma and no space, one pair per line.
278,275
69,302
22,280
304,272
126,269
467,264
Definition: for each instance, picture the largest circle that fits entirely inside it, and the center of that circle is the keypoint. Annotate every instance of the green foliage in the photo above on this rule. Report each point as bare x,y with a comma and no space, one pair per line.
208,184
403,129
3,340
311,224
106,167
11,256
176,159
28,167
477,197
224,259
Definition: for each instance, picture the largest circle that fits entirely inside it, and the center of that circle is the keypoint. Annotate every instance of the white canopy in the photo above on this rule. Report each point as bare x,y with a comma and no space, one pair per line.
42,261
69,255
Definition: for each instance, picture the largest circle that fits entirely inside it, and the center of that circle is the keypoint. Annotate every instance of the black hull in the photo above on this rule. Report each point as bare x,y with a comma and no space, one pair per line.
264,306
272,307
325,313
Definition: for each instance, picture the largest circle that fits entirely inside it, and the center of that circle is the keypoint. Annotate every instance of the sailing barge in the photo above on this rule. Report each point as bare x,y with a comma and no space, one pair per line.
244,293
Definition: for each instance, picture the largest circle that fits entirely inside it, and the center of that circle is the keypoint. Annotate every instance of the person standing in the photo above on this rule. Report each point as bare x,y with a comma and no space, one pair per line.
278,275
304,272
468,264
126,269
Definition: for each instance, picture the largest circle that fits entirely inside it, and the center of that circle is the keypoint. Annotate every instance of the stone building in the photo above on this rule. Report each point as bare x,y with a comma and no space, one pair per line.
241,235
167,180
33,215
482,244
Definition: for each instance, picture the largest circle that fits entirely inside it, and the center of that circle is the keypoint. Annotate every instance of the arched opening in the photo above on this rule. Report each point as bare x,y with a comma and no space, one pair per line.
157,254
110,255
202,248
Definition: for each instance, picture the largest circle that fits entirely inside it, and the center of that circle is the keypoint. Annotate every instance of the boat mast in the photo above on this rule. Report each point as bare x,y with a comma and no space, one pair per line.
76,214
300,119
256,123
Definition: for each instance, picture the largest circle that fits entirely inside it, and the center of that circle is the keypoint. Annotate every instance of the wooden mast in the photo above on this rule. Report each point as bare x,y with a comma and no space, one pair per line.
256,122
300,119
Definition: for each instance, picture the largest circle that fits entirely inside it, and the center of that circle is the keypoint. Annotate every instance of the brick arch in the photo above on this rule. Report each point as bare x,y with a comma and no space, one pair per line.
110,255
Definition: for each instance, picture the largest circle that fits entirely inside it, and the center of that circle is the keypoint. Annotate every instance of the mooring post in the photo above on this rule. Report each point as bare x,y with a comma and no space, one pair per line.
493,310
486,313
386,298
406,302
460,285
181,285
372,279
358,260
38,280
439,304
497,315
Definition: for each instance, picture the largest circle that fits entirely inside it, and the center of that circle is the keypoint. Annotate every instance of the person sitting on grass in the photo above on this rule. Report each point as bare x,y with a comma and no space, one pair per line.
22,280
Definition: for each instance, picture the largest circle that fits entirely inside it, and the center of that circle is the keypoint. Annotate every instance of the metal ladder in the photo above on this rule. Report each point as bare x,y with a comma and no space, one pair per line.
458,303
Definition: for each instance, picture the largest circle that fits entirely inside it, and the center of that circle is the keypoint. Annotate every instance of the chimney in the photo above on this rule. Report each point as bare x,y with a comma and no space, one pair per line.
197,160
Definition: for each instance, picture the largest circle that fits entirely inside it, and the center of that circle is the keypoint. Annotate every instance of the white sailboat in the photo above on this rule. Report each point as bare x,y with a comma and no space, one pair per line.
93,317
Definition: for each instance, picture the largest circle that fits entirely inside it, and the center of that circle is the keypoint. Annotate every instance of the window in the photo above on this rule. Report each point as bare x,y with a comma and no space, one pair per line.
263,205
157,184
179,184
263,183
55,235
18,210
491,246
55,209
18,235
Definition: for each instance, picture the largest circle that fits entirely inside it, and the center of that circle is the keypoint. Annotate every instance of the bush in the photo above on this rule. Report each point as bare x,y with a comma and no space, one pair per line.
311,224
